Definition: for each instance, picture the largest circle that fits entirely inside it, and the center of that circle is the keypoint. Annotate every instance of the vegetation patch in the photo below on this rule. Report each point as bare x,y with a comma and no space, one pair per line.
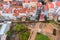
54,23
24,36
19,29
41,37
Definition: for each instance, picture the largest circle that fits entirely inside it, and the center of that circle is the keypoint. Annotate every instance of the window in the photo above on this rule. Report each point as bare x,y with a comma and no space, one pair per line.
54,32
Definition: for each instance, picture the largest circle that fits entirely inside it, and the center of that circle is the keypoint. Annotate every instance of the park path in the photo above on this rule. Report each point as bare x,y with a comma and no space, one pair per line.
34,32
47,29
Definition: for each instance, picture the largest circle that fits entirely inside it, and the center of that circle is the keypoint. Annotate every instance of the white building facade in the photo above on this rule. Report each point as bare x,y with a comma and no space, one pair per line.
5,27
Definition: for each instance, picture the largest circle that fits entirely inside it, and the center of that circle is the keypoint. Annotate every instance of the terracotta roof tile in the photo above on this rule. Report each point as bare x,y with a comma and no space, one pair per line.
57,3
39,4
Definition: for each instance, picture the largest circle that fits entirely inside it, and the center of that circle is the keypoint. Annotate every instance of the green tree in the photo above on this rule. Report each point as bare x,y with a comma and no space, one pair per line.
16,28
41,37
27,19
24,36
9,33
20,27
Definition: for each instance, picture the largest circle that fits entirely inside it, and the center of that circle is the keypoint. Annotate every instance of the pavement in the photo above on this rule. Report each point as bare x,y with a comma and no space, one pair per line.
46,30
34,32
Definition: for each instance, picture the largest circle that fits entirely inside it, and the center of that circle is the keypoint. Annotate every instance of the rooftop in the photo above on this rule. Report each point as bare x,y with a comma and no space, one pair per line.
3,27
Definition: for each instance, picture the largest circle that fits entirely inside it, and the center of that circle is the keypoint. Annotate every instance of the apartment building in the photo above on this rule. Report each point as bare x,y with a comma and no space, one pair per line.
3,30
21,8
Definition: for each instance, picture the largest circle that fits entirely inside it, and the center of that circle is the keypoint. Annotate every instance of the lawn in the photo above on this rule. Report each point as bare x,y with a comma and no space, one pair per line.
41,37
24,36
54,23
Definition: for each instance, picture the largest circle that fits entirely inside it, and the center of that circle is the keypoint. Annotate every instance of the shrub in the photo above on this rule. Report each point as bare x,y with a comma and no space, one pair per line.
41,37
24,36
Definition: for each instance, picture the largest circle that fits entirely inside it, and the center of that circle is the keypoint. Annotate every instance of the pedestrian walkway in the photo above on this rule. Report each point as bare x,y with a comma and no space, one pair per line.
47,30
34,32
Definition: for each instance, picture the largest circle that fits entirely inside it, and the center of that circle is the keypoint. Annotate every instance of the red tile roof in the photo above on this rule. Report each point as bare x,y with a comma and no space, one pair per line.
26,1
51,5
32,9
28,10
1,5
39,4
46,7
16,11
15,14
57,3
